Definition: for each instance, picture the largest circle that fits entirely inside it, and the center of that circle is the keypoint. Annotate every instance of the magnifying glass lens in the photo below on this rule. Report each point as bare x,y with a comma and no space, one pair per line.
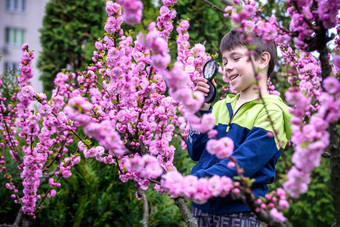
209,70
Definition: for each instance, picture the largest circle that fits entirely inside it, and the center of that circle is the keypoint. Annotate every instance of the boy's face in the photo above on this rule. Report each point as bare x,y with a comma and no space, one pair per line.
238,70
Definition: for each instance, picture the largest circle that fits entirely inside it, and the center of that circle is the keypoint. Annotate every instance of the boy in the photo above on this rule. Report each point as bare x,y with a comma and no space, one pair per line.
244,119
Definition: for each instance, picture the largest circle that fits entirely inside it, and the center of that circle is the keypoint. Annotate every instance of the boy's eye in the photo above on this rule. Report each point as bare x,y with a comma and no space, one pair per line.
236,58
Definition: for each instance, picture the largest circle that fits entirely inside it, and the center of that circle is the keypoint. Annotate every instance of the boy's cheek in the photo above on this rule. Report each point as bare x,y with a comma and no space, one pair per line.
225,78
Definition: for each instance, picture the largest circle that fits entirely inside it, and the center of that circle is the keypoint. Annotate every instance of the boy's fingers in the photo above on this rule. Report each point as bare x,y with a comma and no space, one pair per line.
201,79
214,83
202,84
204,90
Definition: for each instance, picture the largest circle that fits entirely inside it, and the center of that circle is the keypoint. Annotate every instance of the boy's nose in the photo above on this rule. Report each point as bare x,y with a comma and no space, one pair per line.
228,67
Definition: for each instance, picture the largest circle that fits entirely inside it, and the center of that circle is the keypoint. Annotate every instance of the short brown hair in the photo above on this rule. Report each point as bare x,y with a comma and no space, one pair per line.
234,39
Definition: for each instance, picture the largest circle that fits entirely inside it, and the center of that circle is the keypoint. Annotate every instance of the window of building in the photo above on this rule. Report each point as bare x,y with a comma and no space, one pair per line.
16,5
14,36
12,67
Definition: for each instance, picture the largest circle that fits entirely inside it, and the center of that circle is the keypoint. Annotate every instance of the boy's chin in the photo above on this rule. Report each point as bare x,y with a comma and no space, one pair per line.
232,90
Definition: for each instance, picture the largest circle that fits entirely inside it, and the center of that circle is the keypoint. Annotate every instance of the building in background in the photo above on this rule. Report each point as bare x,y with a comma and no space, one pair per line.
20,21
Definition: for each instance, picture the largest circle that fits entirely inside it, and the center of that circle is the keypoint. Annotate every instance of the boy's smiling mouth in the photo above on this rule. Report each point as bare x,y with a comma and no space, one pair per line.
232,77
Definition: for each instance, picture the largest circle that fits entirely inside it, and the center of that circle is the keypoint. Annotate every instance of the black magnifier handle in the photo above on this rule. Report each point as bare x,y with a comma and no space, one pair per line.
212,93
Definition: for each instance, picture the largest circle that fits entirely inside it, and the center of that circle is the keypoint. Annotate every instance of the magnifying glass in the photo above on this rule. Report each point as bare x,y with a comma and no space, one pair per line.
210,69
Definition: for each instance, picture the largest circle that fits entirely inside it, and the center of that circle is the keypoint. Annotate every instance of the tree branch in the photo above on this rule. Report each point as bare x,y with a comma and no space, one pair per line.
18,218
213,5
185,212
145,220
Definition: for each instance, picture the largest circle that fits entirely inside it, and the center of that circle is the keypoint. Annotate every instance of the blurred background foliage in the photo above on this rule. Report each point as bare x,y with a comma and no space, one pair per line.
94,194
70,28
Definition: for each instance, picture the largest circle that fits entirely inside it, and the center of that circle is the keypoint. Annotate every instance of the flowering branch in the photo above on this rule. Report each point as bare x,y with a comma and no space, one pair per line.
275,133
250,199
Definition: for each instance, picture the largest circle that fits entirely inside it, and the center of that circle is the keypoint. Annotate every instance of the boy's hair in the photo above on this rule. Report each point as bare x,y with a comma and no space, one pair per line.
234,39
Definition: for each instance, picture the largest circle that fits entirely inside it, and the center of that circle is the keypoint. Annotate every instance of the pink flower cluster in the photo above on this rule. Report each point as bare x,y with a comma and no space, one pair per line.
133,11
308,75
37,129
65,167
310,140
222,148
105,133
326,12
25,65
164,21
158,45
271,88
198,190
274,202
140,169
31,175
115,18
252,24
183,44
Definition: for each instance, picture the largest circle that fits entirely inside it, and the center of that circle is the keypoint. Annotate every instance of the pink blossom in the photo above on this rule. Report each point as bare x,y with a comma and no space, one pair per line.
52,193
336,61
278,216
45,110
159,45
152,167
208,122
27,92
91,153
297,182
231,164
203,193
190,186
112,8
160,61
132,12
212,133
213,146
215,185
283,204
332,85
169,2
228,148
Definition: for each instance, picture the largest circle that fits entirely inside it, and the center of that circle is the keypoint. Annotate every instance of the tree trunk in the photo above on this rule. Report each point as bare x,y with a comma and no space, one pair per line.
335,171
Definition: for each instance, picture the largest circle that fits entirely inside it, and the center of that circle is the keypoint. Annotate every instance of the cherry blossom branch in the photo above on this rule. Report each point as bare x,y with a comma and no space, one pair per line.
135,149
249,198
185,212
304,16
268,116
18,218
146,215
10,143
213,6
56,156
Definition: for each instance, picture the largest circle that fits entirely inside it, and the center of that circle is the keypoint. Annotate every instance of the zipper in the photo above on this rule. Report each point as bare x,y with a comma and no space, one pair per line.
233,115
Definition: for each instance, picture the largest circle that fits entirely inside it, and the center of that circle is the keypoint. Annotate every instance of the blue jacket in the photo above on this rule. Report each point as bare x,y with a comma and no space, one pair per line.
254,150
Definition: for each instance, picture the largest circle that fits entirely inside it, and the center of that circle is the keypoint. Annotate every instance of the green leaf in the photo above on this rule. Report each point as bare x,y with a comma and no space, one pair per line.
87,142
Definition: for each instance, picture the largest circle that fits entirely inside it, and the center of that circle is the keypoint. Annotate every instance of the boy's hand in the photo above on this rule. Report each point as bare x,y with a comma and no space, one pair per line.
202,86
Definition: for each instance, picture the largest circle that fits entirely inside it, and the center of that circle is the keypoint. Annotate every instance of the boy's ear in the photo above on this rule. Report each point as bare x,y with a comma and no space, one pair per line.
264,60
